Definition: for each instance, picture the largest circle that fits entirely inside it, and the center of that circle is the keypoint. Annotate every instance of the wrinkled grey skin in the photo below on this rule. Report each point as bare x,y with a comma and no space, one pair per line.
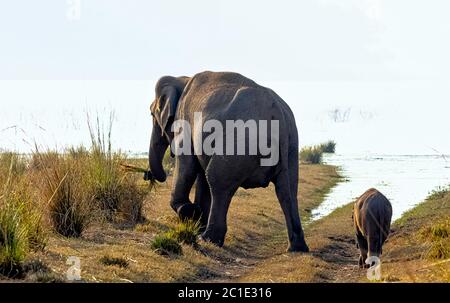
372,214
224,96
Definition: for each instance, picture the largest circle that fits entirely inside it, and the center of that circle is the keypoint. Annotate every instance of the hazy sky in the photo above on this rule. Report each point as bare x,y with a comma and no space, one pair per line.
382,67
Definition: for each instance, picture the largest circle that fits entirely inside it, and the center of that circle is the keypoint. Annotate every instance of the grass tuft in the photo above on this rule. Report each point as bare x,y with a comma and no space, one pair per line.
115,190
83,186
71,189
311,154
439,193
166,244
70,204
38,271
114,261
328,147
186,232
437,238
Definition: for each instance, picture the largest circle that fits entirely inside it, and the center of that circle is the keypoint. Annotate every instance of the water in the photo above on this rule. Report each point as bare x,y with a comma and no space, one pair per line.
404,180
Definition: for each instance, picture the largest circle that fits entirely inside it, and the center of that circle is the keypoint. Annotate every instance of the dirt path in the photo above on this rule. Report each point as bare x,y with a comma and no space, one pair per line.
333,255
249,250
335,245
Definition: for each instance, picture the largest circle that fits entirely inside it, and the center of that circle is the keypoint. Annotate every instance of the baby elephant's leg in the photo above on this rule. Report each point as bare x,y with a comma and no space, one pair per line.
362,244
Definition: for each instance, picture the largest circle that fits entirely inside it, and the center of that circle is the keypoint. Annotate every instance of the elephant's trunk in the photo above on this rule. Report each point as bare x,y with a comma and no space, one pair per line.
158,147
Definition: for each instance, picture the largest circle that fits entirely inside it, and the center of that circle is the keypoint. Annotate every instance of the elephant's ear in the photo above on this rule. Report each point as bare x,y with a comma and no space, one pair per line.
167,106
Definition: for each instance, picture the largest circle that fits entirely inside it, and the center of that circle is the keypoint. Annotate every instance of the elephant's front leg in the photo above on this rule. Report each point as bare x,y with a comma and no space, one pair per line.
184,178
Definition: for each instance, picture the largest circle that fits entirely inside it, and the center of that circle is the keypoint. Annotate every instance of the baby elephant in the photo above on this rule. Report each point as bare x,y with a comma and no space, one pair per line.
372,215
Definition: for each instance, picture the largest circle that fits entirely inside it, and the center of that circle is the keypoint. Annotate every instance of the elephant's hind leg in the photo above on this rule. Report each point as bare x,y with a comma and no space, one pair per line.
363,248
222,192
217,222
289,204
203,198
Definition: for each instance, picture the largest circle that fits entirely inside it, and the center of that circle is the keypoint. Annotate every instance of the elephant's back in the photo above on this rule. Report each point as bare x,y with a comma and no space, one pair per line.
207,81
372,211
229,95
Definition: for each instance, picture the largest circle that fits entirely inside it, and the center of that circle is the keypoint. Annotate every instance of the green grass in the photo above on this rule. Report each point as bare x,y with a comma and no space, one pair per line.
437,238
20,217
438,198
440,230
328,147
116,191
83,186
70,204
439,250
314,154
13,240
114,261
434,235
166,244
186,232
439,193
311,155
64,192
76,187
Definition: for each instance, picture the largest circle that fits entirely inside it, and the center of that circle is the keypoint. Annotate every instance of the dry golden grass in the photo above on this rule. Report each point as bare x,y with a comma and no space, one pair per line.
62,193
255,247
247,245
417,251
20,216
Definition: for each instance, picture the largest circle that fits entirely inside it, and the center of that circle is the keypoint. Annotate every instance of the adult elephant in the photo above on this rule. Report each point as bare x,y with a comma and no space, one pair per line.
222,96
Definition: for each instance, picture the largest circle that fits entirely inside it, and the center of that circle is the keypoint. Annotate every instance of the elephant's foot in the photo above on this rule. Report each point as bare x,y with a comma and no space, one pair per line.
361,262
213,237
189,211
298,246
